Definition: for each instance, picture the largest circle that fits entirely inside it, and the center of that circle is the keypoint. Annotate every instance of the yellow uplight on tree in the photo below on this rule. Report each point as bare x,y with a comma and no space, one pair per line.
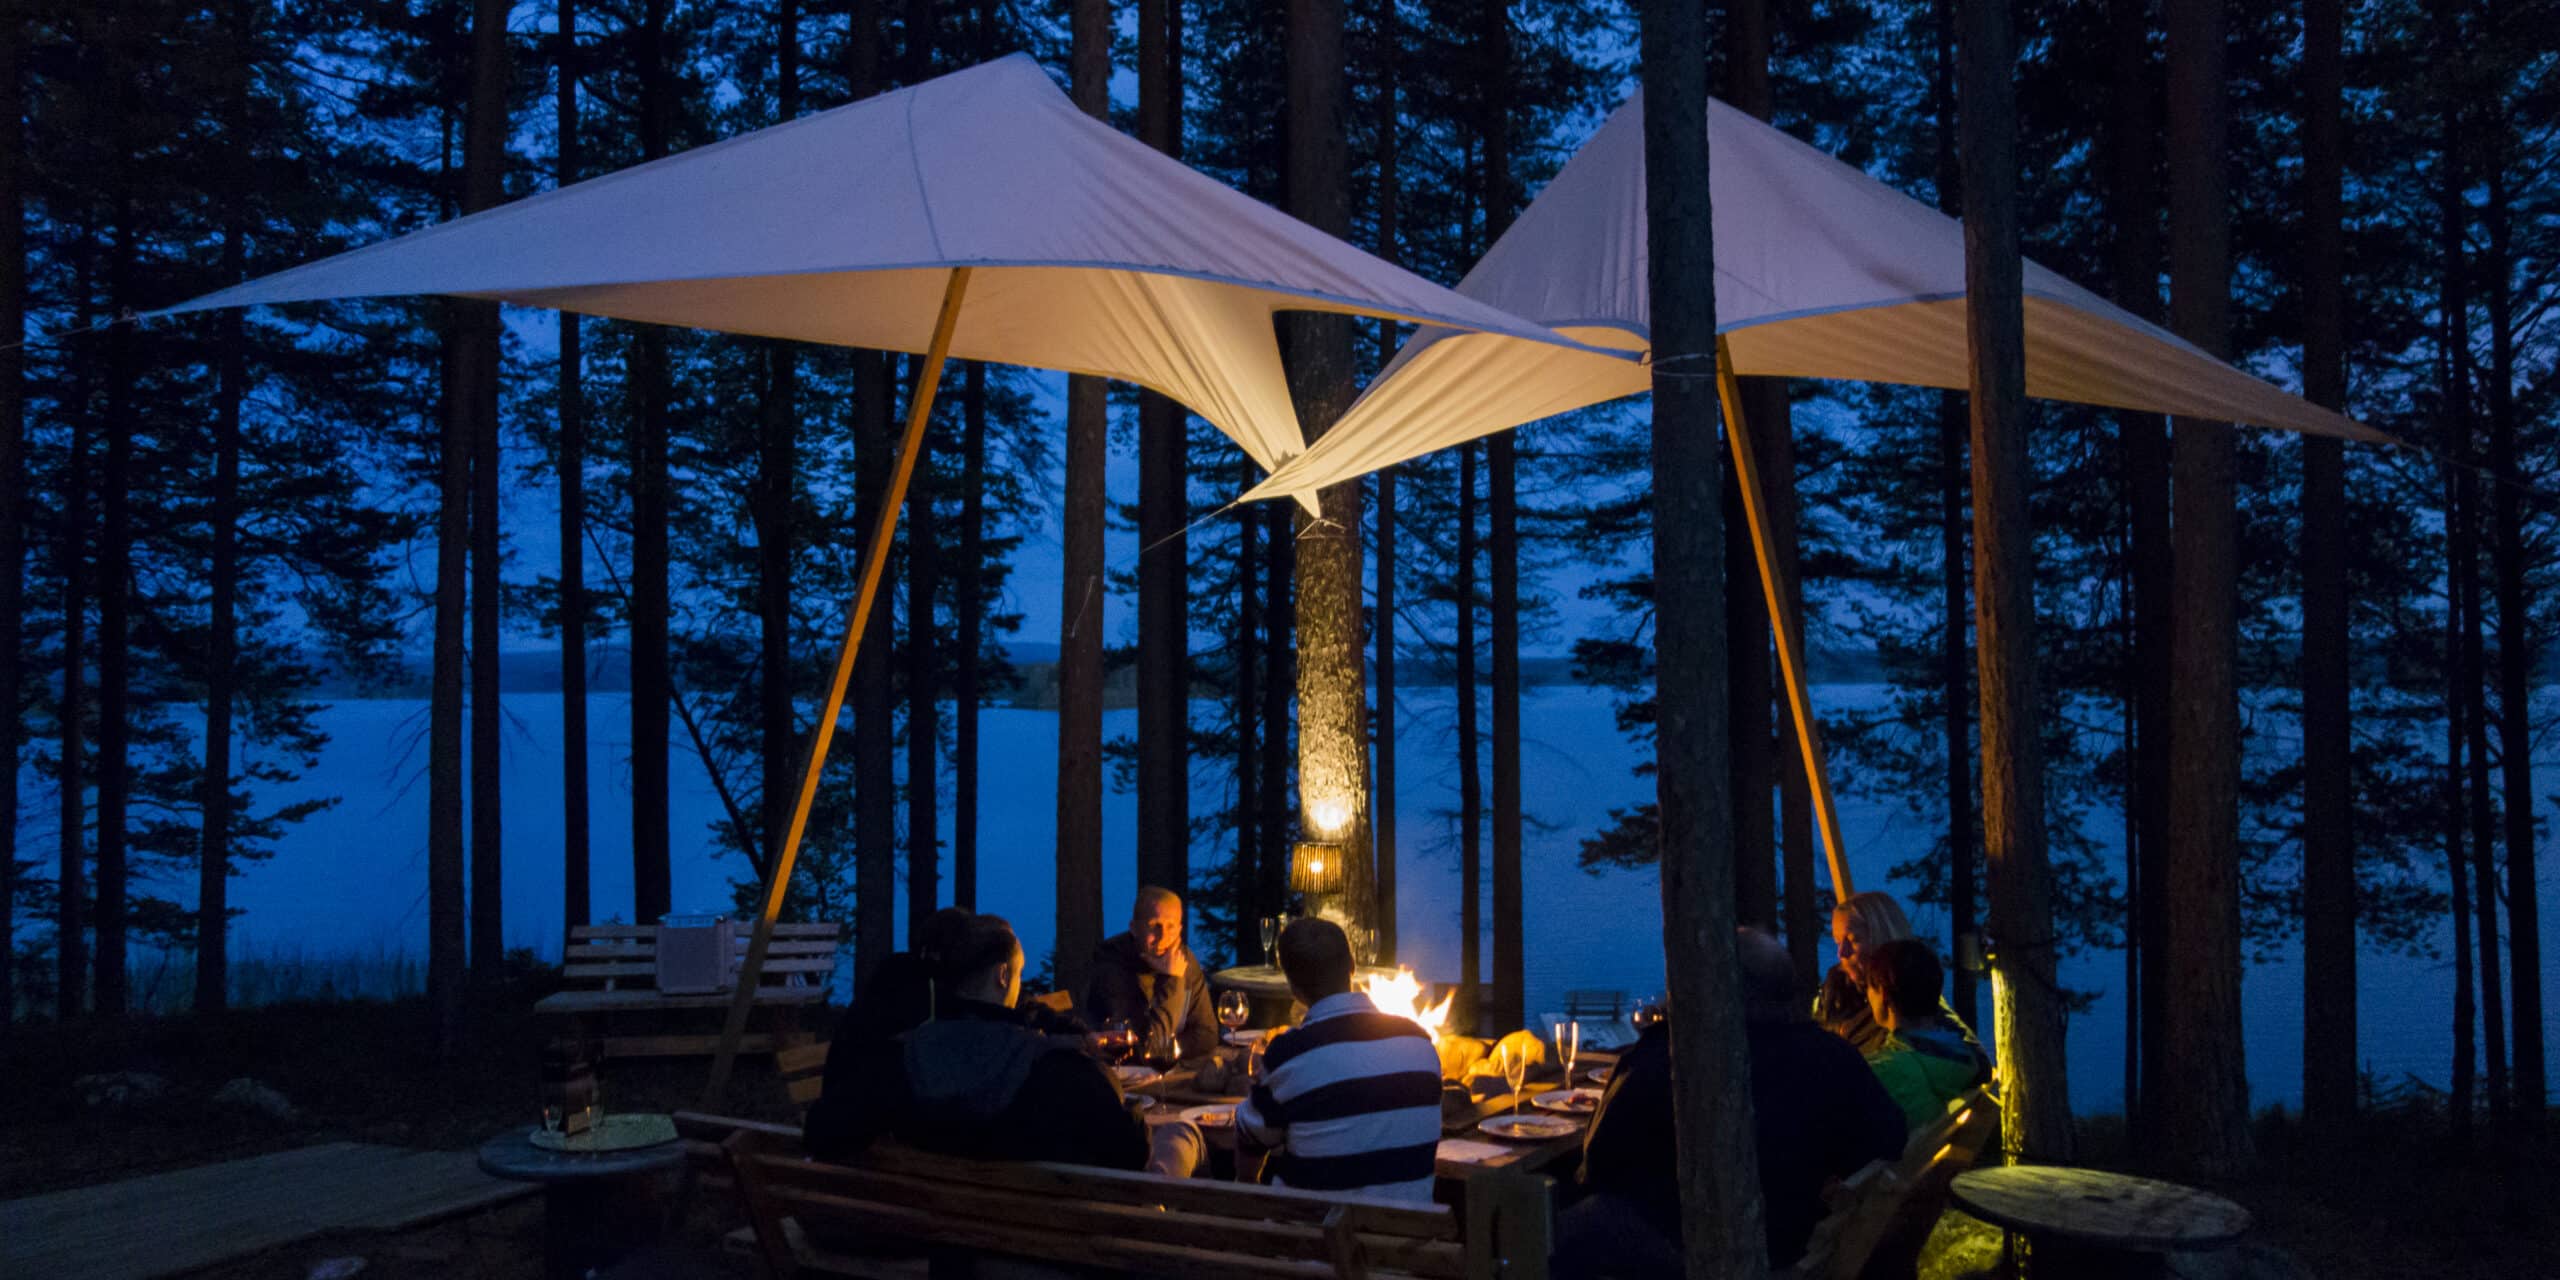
1315,868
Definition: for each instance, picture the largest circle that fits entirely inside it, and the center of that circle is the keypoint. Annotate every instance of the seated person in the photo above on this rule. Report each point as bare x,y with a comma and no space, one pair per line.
1149,979
899,994
1350,1101
977,1081
1928,1058
1860,924
1818,1116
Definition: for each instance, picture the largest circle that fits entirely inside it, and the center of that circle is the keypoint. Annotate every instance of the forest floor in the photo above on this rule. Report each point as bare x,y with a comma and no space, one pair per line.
2390,1200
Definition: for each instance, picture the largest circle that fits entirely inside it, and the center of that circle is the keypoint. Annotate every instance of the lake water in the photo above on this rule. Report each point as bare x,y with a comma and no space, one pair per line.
353,879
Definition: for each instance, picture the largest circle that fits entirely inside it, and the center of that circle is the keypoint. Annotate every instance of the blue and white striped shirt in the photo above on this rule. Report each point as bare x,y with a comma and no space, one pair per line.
1351,1102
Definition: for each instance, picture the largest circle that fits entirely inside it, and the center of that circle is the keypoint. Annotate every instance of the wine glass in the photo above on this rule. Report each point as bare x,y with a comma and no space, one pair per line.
1116,1040
1515,1069
1270,935
1568,1035
1233,1009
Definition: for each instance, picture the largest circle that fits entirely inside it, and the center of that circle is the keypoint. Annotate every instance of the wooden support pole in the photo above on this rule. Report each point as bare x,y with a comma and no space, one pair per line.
1782,620
874,555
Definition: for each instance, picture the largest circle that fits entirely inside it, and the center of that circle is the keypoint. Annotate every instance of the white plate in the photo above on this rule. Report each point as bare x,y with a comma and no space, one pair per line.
1580,1102
1146,1100
1600,1075
1132,1075
1529,1128
1226,1116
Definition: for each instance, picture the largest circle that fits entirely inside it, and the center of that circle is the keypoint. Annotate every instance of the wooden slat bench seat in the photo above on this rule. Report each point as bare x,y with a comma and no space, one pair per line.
614,1009
1077,1216
1882,1218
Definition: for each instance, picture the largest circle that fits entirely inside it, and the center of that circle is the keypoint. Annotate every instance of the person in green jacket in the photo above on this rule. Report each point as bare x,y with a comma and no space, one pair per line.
1928,1057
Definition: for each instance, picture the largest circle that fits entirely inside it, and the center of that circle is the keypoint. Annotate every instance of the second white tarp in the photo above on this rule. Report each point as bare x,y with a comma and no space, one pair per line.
1821,272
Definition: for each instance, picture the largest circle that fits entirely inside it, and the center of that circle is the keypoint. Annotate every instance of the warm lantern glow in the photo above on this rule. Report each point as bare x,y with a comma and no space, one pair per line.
1401,995
1328,818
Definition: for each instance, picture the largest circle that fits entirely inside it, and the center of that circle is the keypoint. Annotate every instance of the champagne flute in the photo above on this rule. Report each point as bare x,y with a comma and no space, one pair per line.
1515,1069
1568,1047
1270,935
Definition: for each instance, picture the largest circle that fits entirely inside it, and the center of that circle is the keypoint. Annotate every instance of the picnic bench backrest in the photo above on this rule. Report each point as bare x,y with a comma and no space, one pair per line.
1081,1216
626,955
803,1069
1890,1209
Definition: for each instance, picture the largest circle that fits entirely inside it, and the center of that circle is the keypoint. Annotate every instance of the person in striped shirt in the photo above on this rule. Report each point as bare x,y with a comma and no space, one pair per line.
1350,1101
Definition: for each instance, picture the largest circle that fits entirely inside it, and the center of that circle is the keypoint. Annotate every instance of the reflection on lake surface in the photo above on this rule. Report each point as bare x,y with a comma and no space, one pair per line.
353,878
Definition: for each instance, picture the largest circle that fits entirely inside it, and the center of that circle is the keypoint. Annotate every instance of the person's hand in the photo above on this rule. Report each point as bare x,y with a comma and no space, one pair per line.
1177,963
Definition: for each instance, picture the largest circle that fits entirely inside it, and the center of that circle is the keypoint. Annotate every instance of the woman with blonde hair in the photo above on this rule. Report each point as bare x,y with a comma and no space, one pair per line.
1861,923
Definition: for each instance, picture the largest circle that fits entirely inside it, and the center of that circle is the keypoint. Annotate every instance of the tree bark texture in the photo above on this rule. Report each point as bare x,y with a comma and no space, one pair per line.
1502,547
2328,836
1164,569
2204,1119
1244,644
1750,662
2034,1093
71,895
484,149
652,681
576,907
446,951
222,641
1279,689
969,596
115,641
2515,672
13,412
1079,925
873,695
2133,198
1711,1094
1954,601
1333,710
1390,192
1470,1006
2460,675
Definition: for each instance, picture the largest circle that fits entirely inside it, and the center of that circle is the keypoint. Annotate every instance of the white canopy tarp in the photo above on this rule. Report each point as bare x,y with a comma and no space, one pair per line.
1092,252
1821,272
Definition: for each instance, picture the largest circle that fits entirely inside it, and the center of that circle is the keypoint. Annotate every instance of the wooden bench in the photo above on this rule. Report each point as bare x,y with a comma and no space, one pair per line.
615,971
1077,1216
1884,1213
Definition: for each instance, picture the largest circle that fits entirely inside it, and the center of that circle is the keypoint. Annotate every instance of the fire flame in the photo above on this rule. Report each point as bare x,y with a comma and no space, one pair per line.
1401,995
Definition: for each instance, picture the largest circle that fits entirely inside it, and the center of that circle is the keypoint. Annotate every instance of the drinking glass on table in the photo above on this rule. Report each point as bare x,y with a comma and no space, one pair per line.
1116,1040
1568,1046
1270,935
1233,1009
1515,1069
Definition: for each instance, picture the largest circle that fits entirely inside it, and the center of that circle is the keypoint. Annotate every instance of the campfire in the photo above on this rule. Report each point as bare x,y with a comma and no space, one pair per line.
1402,995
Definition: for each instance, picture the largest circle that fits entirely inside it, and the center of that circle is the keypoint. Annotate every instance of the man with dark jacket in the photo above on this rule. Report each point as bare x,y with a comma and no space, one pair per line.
1818,1113
1149,979
976,1080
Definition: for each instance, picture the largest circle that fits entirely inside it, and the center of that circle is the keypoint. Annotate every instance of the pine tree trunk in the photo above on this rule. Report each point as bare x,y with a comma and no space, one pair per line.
2205,1118
445,865
71,953
115,642
1470,782
924,721
13,412
1750,684
652,681
1164,568
2515,673
1711,1102
576,906
2328,836
1244,644
484,158
1954,683
969,595
2034,1093
2460,1099
2493,1010
1502,548
1333,693
875,815
1390,191
2133,199
2462,668
1279,688
1081,614
222,641
776,487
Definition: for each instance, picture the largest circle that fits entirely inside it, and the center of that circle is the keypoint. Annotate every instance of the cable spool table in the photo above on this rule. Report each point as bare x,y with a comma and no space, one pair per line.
2085,1222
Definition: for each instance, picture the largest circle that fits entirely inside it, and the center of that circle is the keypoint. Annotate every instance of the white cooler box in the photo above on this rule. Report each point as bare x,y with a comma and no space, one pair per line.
697,953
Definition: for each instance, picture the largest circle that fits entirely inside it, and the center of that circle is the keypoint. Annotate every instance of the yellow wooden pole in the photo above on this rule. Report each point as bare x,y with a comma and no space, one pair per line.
875,555
1782,620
